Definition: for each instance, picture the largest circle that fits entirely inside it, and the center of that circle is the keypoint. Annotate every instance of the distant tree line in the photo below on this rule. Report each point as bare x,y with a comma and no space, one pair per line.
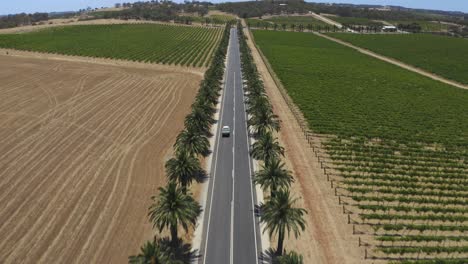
158,11
261,8
410,27
22,19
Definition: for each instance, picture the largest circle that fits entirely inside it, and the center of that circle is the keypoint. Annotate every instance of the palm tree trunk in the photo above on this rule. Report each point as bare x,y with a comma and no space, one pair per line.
279,249
273,191
174,236
154,259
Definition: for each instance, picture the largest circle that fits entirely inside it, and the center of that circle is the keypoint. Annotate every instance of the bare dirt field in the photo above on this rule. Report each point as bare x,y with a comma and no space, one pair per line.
82,150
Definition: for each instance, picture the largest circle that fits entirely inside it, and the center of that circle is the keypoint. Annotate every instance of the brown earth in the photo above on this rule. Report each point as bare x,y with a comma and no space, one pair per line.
328,238
82,149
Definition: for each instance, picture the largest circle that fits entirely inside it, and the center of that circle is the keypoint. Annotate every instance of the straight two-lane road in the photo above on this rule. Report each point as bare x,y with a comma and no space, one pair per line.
230,230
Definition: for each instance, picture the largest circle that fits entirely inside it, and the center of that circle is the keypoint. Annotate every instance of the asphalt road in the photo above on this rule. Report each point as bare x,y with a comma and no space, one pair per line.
231,232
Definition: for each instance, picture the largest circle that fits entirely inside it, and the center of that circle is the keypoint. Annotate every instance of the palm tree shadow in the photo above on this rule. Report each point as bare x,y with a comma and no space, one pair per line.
201,176
182,252
207,153
209,134
269,256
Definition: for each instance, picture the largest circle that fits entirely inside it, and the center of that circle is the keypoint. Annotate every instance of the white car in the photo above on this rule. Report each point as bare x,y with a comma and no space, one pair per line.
226,131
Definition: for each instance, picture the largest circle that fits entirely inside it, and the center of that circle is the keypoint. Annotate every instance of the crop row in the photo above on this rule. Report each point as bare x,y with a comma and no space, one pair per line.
421,238
415,209
425,249
404,191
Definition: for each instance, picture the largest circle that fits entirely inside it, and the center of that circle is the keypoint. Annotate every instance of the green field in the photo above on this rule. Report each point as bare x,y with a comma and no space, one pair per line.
211,19
426,26
180,45
355,21
445,56
288,20
222,18
255,22
396,143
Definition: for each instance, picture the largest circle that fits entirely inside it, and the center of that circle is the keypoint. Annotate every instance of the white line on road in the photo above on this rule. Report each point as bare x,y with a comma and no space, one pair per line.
233,171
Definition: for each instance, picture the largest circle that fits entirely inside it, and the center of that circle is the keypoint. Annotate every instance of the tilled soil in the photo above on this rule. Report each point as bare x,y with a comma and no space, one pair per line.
82,150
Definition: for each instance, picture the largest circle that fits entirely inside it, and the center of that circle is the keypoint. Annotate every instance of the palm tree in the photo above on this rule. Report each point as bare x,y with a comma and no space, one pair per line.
301,27
257,101
192,142
154,252
264,121
267,148
173,207
199,120
290,258
279,215
183,169
273,176
207,93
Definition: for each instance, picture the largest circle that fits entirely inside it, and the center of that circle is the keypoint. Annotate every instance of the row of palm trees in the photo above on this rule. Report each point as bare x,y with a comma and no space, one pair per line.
174,206
278,213
296,27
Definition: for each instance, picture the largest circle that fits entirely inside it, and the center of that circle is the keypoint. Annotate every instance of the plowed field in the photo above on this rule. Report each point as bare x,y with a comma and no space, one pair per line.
82,149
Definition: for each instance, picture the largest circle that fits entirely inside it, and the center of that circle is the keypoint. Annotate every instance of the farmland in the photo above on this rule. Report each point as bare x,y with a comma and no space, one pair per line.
83,147
287,20
356,21
153,43
445,56
216,19
221,18
393,142
426,26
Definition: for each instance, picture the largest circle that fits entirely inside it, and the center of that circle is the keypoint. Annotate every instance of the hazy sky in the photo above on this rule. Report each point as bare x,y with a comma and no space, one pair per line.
30,6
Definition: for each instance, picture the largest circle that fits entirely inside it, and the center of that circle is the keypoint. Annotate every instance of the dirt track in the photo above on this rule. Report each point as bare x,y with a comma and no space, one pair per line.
82,148
328,237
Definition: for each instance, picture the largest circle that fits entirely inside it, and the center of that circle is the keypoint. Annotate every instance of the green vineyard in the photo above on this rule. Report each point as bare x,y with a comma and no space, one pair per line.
152,43
286,21
393,144
355,21
445,56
